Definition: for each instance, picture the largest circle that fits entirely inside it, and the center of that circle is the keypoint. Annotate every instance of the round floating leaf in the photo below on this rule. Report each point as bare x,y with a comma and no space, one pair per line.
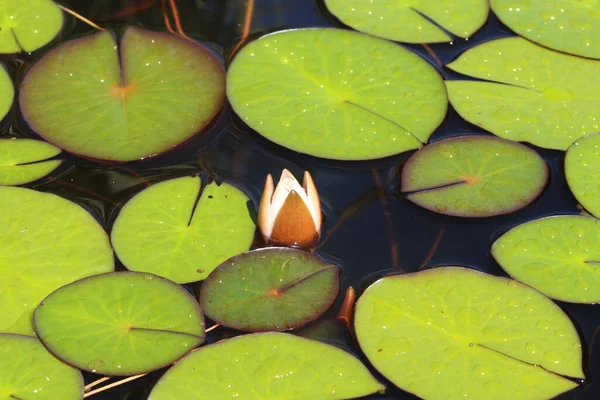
582,168
412,21
572,26
120,323
180,231
336,94
22,160
474,176
266,366
28,371
7,92
559,256
28,25
451,332
152,92
45,242
541,96
270,289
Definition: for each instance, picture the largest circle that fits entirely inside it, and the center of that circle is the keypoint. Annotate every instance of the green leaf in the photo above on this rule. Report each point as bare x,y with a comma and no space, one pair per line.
336,94
80,98
163,231
28,25
582,169
120,323
452,332
412,21
270,289
45,242
559,256
474,176
7,92
266,366
541,96
22,160
28,371
571,26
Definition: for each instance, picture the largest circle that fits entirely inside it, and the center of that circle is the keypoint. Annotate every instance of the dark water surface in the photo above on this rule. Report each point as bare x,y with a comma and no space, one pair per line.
370,230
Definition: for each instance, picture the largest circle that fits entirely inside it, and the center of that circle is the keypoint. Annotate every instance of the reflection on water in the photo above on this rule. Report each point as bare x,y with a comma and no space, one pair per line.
368,228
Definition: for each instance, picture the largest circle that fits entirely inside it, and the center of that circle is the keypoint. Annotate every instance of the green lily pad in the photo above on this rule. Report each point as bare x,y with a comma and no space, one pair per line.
180,231
474,176
45,242
146,95
270,289
536,95
266,366
22,160
28,25
28,371
559,256
572,26
7,92
452,332
582,169
336,94
120,323
412,21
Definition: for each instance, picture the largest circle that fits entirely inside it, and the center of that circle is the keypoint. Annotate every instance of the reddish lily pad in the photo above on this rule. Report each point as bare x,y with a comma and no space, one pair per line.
125,101
120,323
270,289
474,176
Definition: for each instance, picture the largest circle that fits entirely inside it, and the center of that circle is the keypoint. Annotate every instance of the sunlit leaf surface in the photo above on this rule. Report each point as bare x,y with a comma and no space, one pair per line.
336,94
267,366
23,160
582,169
451,332
7,92
121,323
45,242
26,25
28,371
412,21
572,26
270,289
534,95
122,102
474,176
559,256
164,231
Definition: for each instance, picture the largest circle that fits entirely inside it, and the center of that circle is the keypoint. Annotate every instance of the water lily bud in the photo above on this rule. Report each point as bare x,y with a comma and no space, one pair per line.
290,214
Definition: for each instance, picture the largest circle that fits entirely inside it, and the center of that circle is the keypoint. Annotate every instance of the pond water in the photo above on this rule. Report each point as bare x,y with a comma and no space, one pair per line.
370,230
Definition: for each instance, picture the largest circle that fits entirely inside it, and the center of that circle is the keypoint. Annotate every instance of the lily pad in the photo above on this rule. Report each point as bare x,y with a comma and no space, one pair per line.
452,332
7,92
536,95
120,323
180,231
45,242
582,168
474,176
270,289
266,366
572,26
412,21
22,160
146,95
559,256
336,94
28,371
28,25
